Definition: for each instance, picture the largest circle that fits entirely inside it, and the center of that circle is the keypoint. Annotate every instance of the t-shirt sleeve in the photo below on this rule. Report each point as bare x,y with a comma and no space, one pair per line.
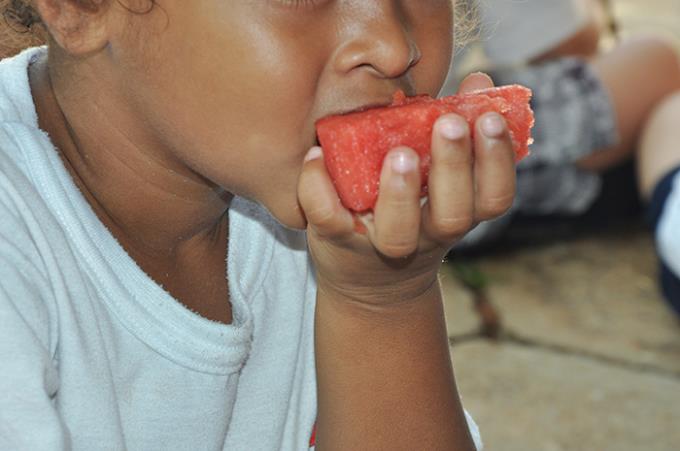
29,378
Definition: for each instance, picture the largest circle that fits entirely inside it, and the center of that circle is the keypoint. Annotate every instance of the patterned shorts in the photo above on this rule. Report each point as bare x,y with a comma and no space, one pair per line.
574,118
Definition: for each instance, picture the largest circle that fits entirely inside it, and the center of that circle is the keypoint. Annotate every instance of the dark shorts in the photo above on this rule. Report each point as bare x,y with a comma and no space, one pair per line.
670,282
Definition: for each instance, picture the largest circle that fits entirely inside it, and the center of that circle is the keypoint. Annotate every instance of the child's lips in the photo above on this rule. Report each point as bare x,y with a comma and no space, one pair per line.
359,108
377,98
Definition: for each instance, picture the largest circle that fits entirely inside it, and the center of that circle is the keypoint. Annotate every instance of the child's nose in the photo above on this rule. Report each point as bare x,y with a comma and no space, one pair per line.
377,39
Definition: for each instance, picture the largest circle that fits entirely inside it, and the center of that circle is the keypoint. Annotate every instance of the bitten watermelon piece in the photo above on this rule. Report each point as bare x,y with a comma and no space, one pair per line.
355,144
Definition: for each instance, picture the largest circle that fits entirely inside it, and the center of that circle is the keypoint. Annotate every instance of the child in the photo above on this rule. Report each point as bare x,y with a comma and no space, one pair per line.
659,180
152,139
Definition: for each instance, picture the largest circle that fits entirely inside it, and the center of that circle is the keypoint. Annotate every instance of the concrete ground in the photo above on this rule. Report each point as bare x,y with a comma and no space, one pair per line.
588,357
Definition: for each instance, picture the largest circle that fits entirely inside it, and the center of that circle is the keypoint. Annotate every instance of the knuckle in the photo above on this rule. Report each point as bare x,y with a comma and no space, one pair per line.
397,242
401,204
322,216
449,227
400,199
453,162
495,206
397,249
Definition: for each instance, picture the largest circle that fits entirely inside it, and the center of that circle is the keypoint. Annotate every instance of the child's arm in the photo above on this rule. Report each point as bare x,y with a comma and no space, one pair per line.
384,373
385,378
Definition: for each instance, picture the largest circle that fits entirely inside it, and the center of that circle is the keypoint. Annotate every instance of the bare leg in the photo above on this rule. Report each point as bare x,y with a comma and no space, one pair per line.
638,74
660,145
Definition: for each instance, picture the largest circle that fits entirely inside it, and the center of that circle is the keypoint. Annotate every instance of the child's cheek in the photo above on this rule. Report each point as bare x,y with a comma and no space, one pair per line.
435,36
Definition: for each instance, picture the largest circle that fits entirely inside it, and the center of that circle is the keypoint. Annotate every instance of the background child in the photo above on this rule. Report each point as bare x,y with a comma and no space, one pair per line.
590,105
153,139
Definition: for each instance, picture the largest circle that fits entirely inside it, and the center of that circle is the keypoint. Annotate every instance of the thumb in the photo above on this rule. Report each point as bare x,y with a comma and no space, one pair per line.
319,201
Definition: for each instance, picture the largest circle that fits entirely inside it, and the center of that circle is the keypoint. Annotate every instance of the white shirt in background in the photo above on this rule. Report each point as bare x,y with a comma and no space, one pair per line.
516,31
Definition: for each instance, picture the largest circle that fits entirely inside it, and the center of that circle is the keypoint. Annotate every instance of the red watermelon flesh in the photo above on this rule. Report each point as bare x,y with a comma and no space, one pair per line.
355,144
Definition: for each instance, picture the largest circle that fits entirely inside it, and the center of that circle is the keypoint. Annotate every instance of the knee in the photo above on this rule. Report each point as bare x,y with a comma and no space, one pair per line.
664,119
668,110
659,56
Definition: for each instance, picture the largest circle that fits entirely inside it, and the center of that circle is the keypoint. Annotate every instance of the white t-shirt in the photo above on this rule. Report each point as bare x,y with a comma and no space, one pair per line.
515,31
94,355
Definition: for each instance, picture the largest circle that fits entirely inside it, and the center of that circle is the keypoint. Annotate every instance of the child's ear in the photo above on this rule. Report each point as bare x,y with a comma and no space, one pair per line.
78,30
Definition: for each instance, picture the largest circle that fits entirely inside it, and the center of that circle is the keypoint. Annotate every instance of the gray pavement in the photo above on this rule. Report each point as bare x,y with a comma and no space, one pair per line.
588,357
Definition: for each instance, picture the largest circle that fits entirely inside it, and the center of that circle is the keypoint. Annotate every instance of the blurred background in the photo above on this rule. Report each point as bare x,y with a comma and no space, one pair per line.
560,337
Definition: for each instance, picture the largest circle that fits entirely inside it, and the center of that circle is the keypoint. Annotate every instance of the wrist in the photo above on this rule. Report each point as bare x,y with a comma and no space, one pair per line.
379,298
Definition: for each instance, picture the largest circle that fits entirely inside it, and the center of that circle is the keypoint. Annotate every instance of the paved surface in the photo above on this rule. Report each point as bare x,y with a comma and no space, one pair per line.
588,357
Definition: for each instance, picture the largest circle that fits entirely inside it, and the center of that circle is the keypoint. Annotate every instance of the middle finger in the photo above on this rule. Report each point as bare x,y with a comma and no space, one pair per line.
449,212
396,225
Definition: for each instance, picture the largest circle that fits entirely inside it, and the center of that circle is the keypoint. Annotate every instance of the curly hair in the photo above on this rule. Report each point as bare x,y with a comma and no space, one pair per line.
21,26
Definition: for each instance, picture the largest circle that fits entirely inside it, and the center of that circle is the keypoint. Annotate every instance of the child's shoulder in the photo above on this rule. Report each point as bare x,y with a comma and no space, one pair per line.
16,103
18,194
24,273
22,206
19,129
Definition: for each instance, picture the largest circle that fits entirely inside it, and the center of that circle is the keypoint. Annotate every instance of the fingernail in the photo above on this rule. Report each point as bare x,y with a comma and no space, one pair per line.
493,126
314,153
402,162
452,129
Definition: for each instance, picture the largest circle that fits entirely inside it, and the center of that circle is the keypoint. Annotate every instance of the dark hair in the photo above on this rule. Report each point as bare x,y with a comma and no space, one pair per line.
22,27
21,13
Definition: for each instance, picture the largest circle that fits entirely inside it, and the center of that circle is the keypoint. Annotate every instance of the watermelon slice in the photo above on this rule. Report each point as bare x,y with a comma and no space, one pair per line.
355,144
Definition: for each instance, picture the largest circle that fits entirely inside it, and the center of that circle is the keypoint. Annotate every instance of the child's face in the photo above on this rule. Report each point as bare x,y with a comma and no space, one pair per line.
234,87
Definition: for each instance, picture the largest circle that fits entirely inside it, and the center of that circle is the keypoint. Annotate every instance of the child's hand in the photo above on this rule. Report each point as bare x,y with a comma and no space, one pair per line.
399,257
